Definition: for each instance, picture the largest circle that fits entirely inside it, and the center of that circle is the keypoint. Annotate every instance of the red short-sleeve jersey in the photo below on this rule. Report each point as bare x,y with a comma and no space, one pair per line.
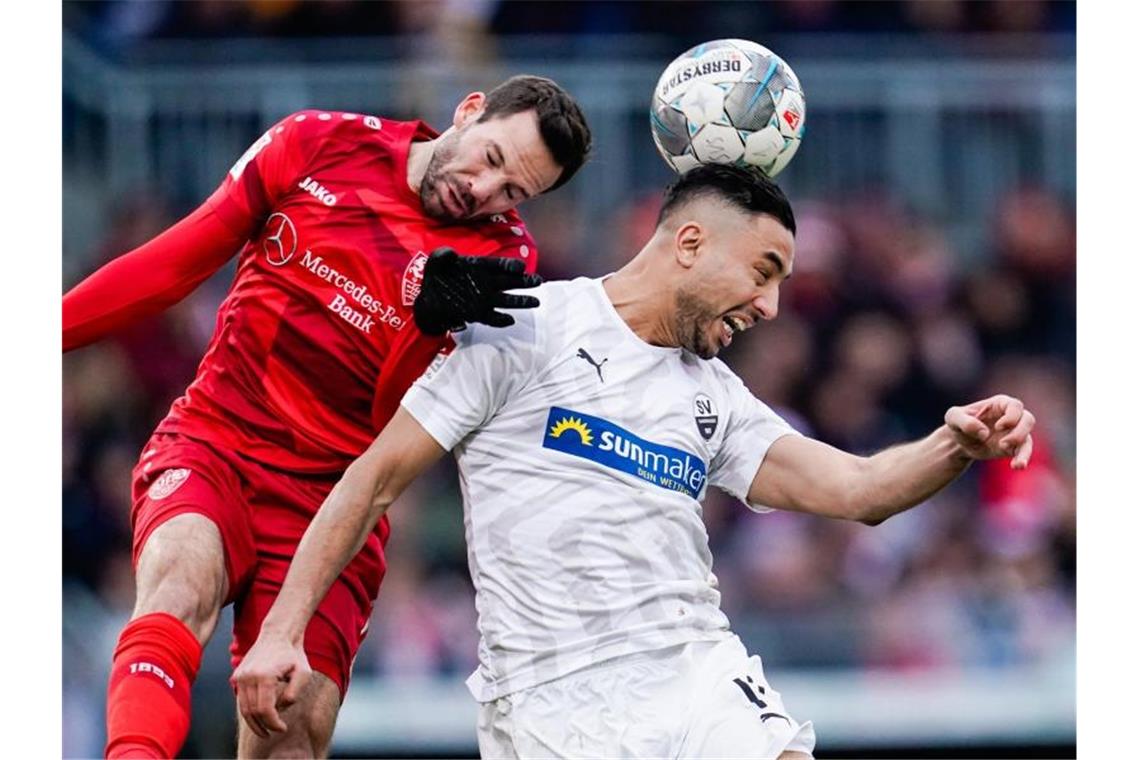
315,343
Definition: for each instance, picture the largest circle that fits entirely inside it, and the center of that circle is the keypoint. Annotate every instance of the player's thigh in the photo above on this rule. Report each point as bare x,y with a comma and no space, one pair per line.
334,633
736,713
192,546
181,571
311,720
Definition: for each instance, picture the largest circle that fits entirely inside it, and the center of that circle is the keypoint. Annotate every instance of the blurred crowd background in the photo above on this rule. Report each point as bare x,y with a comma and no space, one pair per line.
122,23
903,304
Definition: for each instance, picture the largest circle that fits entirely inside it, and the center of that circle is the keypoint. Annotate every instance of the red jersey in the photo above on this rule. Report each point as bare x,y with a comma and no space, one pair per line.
315,342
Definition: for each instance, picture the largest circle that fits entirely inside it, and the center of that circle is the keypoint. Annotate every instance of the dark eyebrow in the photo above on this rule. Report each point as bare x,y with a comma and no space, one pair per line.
778,263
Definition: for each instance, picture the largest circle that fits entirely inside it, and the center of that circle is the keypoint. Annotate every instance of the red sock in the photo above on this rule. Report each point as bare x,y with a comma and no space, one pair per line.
148,698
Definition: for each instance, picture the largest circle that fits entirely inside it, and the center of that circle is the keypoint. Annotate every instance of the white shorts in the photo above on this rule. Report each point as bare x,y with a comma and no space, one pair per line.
702,699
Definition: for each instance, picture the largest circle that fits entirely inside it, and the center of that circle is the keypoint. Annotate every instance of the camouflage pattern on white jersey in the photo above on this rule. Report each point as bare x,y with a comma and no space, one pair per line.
583,455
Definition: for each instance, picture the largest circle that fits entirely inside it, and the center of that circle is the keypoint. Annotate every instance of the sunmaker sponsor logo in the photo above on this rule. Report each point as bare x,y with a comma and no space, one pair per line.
610,445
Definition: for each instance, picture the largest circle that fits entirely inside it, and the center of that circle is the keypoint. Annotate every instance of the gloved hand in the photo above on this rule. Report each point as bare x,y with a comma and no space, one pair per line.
457,290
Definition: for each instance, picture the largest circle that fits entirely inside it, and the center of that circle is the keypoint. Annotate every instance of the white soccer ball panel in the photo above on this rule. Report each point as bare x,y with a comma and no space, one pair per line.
717,144
683,163
783,159
763,147
702,103
713,62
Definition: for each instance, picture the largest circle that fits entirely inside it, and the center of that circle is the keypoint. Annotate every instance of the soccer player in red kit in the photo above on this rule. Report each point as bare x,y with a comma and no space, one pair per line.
347,283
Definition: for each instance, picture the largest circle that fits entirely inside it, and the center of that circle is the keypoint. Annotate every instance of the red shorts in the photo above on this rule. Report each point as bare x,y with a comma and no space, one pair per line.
262,514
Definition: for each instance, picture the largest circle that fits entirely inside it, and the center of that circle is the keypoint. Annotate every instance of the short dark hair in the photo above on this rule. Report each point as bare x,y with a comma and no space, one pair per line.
560,120
749,189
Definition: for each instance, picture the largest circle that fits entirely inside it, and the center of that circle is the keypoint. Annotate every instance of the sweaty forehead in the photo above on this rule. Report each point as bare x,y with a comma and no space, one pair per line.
526,158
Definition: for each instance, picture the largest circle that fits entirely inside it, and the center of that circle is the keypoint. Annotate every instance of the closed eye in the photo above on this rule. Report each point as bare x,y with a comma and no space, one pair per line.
495,159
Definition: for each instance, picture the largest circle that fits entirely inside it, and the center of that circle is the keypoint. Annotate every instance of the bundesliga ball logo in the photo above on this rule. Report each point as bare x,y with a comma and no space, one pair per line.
728,102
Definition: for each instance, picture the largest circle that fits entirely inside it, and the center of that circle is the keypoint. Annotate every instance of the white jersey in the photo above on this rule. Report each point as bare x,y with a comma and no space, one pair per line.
583,455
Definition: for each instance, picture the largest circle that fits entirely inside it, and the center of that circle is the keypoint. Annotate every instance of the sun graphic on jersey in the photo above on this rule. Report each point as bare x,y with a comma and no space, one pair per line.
575,424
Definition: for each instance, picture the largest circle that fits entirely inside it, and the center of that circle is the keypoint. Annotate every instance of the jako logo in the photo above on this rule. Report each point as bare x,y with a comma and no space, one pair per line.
612,446
318,191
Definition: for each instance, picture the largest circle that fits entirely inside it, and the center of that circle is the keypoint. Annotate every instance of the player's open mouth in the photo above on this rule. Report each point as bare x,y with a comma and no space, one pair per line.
730,325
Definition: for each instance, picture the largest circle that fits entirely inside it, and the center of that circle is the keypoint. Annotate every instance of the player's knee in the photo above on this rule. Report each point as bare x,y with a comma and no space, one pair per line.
185,601
305,738
311,721
181,572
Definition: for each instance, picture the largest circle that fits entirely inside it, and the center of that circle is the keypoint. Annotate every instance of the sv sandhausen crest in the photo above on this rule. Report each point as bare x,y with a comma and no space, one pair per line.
704,412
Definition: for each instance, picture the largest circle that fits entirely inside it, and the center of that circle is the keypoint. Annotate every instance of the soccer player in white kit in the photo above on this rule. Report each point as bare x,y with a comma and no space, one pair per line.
586,436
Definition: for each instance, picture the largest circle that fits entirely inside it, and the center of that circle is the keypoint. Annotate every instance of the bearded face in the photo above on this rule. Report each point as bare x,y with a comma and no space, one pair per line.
442,195
482,168
695,318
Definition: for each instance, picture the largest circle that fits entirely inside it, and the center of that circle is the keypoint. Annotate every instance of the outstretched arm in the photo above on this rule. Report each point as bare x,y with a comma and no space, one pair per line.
148,279
804,475
163,271
370,484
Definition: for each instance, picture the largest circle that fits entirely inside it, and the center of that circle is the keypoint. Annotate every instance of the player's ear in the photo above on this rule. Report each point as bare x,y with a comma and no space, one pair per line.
469,109
687,243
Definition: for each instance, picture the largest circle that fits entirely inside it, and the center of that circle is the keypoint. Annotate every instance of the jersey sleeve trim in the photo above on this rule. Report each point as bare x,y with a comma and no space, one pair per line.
752,428
756,506
417,403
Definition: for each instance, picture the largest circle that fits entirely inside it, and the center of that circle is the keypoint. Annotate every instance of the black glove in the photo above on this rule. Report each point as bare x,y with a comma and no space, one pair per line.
458,289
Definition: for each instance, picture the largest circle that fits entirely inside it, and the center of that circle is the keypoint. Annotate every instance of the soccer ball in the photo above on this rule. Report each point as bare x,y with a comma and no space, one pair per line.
728,102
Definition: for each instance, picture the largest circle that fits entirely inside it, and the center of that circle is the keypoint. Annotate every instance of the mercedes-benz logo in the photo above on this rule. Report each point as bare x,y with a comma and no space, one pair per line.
282,242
